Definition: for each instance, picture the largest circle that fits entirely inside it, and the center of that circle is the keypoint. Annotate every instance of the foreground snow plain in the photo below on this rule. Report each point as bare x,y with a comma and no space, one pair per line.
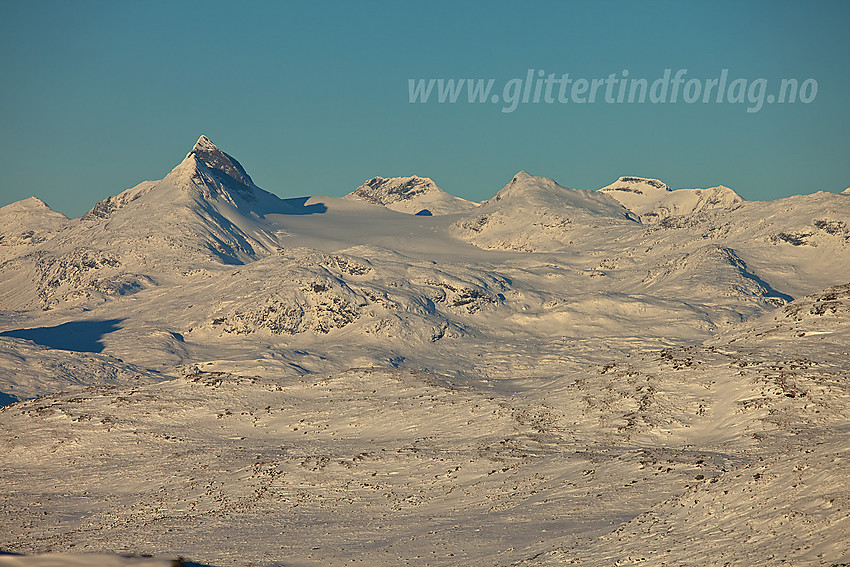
630,375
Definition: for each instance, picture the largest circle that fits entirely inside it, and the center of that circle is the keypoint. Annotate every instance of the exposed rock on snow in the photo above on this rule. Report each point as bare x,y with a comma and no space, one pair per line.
29,369
654,201
411,195
27,223
650,188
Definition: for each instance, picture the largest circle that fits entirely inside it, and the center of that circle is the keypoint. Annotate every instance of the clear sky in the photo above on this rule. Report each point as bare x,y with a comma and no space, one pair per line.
312,97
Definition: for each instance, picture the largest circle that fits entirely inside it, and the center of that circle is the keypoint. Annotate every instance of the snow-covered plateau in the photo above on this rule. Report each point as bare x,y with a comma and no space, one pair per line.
198,368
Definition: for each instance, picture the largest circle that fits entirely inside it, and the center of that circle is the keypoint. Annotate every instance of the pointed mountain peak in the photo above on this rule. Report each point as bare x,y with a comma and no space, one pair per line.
221,163
204,144
213,173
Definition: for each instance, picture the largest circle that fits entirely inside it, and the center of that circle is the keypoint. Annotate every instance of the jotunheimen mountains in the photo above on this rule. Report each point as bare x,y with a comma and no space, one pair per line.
400,376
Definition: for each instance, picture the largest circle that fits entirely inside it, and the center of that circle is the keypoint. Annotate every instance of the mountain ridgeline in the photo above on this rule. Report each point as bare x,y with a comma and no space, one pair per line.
635,239
401,376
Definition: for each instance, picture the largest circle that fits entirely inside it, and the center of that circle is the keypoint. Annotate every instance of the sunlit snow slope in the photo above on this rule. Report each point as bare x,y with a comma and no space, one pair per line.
554,375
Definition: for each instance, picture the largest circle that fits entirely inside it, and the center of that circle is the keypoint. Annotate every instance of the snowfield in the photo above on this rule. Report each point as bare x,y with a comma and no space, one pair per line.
197,368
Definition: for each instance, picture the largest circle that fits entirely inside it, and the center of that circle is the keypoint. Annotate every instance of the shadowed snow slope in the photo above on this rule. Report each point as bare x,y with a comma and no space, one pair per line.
554,375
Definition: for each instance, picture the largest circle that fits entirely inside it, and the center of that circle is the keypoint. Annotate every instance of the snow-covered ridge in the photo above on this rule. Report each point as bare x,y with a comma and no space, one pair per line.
653,200
385,191
533,213
29,204
106,207
527,190
412,195
31,215
639,185
25,223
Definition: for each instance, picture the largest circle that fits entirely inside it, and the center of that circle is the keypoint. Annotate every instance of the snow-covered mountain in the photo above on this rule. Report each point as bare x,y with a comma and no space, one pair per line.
412,195
654,201
25,223
207,204
206,211
553,375
535,213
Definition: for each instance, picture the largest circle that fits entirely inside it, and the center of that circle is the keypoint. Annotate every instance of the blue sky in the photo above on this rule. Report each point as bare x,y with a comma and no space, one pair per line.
312,97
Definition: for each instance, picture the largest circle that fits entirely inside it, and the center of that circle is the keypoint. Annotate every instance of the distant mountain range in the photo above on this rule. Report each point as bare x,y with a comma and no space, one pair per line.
538,356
